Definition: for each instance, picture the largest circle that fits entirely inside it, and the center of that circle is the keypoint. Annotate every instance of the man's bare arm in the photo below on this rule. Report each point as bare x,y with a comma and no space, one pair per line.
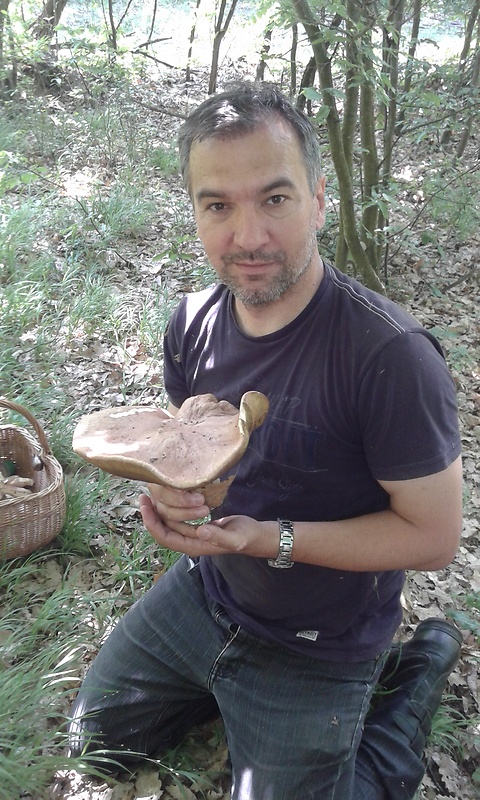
421,530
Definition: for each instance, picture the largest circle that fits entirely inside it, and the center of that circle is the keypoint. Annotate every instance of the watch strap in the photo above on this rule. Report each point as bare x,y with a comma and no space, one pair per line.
285,549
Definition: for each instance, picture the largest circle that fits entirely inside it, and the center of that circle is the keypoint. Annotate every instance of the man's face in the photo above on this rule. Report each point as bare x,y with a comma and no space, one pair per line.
255,214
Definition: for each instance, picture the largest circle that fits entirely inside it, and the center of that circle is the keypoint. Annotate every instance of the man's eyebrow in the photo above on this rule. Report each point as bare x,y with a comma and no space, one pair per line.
209,194
214,194
280,183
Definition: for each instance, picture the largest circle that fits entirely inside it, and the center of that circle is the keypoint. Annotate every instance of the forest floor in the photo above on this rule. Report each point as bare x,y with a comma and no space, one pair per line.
441,290
438,281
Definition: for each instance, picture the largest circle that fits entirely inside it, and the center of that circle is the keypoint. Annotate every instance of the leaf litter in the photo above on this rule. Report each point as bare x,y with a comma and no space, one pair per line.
442,292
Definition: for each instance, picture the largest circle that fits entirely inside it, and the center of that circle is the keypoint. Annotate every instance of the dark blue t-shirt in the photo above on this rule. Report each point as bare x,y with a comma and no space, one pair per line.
359,392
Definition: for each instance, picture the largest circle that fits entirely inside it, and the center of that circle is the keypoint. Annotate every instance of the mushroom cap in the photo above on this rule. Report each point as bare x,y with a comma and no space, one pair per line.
204,439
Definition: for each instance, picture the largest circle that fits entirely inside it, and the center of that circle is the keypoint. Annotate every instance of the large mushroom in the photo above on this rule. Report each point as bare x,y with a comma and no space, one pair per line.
190,450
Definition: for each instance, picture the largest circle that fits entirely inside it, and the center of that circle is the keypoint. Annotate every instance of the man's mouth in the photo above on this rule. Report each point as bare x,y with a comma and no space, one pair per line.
253,260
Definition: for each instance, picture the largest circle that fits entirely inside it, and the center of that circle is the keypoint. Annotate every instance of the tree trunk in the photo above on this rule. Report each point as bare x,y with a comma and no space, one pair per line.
154,19
465,135
220,31
191,41
350,114
472,18
370,165
9,80
308,79
407,84
267,38
45,24
342,170
293,60
3,17
350,108
475,11
391,59
113,29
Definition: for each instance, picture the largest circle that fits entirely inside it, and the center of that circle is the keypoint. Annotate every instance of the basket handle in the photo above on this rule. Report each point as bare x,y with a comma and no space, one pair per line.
32,420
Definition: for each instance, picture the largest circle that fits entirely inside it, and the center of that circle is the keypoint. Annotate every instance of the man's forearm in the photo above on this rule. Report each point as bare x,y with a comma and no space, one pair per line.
374,542
420,530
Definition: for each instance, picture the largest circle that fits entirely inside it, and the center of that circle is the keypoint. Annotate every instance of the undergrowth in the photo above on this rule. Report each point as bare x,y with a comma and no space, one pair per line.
83,186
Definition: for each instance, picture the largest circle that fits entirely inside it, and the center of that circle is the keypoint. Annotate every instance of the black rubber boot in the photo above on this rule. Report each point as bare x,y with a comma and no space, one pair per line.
414,678
390,763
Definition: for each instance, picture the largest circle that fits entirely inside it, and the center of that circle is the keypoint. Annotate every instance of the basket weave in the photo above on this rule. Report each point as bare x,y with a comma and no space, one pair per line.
31,522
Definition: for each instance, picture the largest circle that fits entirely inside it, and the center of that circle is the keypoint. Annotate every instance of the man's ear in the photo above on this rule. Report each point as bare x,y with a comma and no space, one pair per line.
319,197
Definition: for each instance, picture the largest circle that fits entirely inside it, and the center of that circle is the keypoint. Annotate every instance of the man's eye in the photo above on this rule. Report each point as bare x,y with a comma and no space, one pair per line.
216,207
276,199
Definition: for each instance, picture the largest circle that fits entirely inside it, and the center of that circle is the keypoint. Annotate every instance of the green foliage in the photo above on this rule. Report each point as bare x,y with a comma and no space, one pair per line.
124,211
467,615
450,728
84,496
134,561
41,643
453,200
84,182
165,159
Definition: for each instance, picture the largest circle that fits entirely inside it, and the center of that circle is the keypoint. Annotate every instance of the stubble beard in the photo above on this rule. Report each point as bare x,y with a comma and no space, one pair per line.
280,283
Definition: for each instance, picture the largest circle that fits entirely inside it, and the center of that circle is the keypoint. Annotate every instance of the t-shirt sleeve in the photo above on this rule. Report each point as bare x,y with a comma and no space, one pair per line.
408,410
173,372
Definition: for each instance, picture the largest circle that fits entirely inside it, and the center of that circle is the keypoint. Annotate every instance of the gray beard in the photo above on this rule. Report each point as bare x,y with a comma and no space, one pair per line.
280,284
258,297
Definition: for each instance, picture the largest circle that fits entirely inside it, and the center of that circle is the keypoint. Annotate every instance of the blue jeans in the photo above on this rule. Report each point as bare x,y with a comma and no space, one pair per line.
294,724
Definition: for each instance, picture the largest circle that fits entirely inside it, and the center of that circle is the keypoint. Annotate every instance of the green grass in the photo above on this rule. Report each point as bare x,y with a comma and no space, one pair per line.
97,242
41,644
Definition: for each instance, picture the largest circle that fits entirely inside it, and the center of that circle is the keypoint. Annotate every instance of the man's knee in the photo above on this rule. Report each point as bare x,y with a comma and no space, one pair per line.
95,747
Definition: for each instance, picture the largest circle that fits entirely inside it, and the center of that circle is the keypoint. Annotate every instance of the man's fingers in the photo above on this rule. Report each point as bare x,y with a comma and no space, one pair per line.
175,536
154,520
177,505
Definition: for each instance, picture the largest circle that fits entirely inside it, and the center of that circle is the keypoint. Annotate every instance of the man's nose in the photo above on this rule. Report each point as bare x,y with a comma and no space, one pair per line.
250,230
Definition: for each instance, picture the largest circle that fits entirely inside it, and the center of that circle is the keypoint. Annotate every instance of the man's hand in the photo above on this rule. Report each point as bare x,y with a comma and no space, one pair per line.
164,513
420,530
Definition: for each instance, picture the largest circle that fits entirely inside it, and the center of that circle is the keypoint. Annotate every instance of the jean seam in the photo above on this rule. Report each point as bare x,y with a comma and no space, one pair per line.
211,677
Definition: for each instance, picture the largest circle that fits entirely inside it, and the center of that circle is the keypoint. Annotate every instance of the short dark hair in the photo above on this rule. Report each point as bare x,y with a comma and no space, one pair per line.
242,109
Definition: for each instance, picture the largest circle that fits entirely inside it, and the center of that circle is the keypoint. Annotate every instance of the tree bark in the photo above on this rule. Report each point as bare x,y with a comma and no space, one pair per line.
475,11
267,38
472,18
370,164
342,170
7,90
45,24
3,17
191,41
113,29
474,83
220,31
350,108
350,114
293,60
407,84
154,18
307,80
391,60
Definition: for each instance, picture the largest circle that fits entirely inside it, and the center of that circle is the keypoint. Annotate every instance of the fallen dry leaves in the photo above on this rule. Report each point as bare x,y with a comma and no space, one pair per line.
442,291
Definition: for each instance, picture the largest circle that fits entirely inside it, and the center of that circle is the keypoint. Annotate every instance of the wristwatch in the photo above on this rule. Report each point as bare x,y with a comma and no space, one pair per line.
284,558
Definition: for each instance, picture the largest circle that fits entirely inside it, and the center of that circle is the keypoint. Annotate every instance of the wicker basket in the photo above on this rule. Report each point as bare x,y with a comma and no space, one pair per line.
32,522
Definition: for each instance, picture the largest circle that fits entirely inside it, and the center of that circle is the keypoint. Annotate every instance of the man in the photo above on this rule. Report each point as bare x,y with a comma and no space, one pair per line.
281,613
